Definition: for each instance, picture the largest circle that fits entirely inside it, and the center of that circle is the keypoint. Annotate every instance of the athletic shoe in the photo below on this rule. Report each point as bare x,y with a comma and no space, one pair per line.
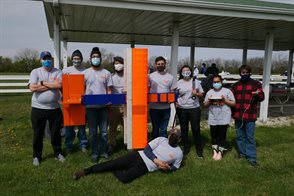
84,149
95,159
218,156
105,155
36,161
199,153
253,163
60,158
214,154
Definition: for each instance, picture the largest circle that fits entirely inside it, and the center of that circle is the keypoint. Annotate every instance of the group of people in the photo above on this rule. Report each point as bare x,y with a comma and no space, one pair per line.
162,152
46,82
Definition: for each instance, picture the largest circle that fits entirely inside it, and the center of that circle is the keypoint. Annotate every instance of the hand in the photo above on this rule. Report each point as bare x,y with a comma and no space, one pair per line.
223,98
161,164
195,92
255,92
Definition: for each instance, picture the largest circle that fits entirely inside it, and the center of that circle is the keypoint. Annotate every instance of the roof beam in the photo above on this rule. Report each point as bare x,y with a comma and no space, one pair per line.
193,7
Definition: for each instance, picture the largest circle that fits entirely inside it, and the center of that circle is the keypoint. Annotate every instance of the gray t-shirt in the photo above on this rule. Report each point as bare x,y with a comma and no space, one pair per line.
46,99
164,152
185,99
161,83
118,84
73,70
219,114
96,82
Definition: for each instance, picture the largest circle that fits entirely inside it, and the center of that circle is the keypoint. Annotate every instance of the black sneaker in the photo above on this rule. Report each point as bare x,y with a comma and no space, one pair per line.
253,163
186,151
199,153
79,174
95,159
110,149
239,157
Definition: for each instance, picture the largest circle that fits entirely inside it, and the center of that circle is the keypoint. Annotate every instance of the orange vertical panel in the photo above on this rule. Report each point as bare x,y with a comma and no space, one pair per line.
72,91
139,97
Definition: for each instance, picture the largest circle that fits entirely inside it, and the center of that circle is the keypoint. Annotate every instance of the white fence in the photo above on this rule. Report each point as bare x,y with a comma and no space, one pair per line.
6,87
25,78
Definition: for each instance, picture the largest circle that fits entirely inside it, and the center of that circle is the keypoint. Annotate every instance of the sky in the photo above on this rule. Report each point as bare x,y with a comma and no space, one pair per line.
23,25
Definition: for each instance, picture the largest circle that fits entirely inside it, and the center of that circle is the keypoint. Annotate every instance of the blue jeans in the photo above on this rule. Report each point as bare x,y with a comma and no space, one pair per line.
97,117
159,119
70,137
245,139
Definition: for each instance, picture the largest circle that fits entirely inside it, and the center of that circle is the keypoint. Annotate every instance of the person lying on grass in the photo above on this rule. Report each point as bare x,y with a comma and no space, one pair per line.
159,154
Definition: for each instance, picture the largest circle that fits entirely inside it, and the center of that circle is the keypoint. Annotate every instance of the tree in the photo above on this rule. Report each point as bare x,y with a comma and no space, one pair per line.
26,60
5,64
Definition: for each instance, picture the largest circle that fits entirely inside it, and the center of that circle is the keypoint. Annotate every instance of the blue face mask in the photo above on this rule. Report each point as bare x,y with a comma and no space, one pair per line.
96,61
245,78
47,63
217,85
186,74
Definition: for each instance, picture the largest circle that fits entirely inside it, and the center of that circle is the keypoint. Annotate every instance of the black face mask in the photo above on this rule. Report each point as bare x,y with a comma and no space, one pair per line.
173,140
245,78
160,68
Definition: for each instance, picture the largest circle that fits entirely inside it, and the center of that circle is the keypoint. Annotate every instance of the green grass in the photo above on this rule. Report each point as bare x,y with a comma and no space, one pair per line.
18,176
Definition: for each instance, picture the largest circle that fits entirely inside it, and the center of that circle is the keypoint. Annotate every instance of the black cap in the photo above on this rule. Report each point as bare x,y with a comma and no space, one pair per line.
119,59
95,50
77,53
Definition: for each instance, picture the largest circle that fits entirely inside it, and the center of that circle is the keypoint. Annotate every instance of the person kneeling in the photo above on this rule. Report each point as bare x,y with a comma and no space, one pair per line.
159,154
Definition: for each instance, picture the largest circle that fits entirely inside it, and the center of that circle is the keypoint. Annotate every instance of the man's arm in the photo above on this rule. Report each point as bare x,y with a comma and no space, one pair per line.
56,84
148,151
37,87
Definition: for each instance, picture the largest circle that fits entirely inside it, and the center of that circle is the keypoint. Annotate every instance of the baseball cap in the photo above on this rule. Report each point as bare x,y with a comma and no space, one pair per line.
44,54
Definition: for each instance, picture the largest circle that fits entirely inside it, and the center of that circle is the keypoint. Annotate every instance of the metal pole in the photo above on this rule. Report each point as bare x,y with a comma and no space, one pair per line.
192,55
64,54
175,49
244,56
269,43
133,45
290,68
56,38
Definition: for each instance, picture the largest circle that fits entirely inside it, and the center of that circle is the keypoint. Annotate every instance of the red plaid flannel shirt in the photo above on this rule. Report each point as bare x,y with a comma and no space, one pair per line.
244,99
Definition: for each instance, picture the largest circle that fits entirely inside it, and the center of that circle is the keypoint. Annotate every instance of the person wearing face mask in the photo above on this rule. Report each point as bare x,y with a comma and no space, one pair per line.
160,82
248,94
188,108
77,68
45,83
97,81
219,100
116,111
160,154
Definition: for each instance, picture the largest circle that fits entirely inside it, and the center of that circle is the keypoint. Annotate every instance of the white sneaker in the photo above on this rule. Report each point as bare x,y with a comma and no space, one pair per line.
214,154
36,161
60,158
218,156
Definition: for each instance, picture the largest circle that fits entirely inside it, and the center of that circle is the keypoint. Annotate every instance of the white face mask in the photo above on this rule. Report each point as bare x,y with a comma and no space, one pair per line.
118,67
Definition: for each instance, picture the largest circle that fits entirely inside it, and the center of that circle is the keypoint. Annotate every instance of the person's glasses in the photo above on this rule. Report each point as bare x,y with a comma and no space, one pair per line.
216,81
